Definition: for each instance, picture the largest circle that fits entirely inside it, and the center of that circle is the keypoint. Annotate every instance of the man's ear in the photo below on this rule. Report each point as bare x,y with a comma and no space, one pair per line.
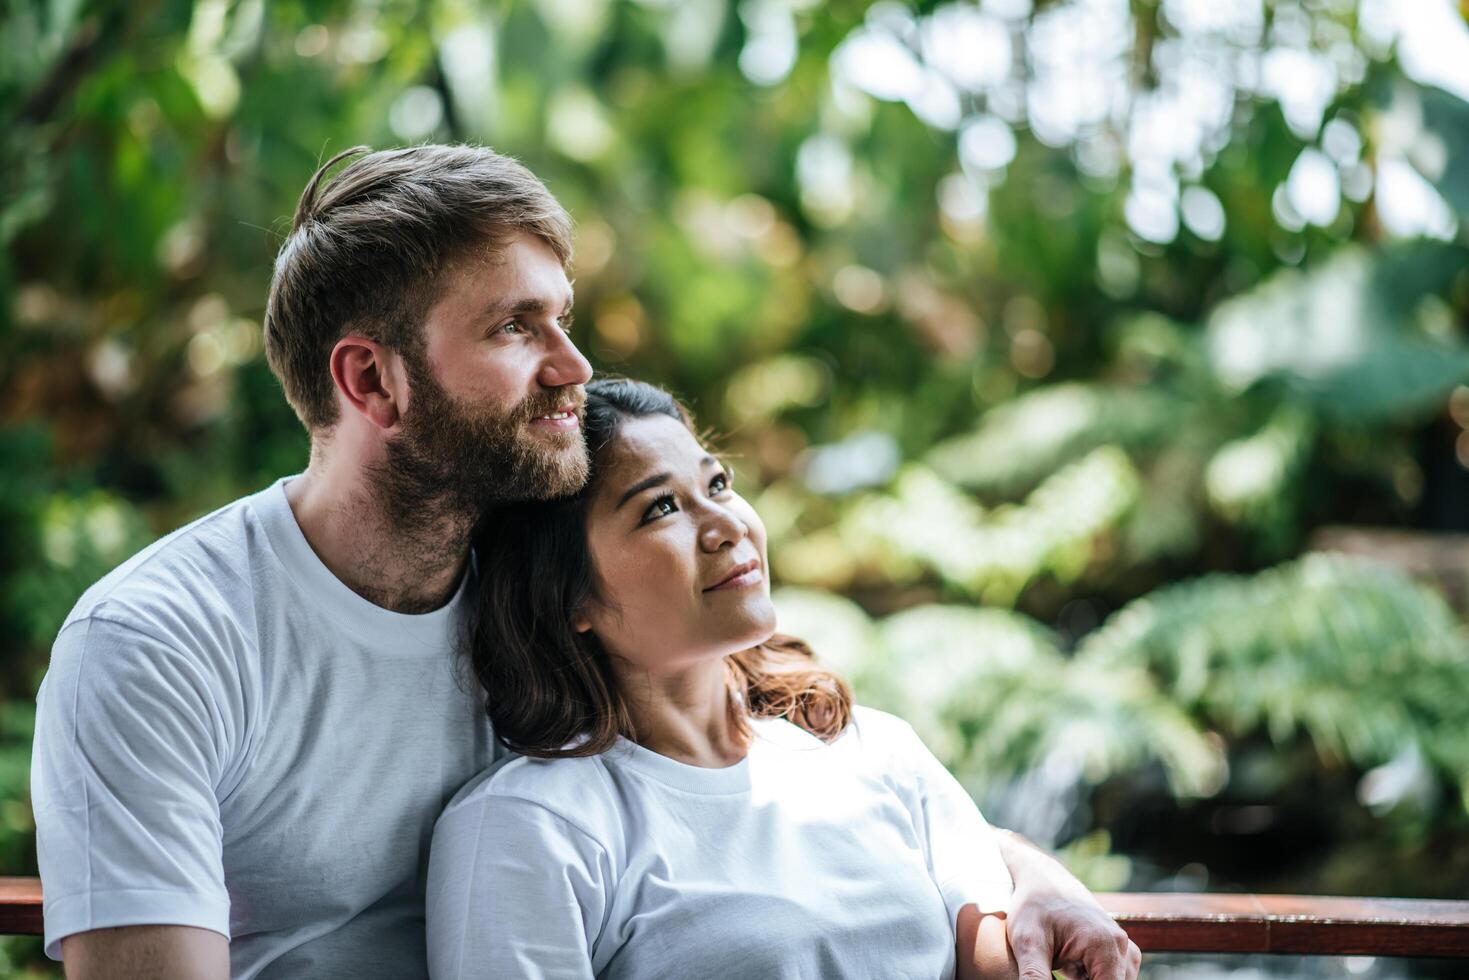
370,378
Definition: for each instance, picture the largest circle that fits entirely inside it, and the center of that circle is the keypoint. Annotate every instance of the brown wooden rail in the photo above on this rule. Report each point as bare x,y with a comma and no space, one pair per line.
1307,925
20,906
1177,923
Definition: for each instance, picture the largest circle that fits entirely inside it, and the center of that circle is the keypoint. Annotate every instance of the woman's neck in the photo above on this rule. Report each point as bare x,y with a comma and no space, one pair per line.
683,715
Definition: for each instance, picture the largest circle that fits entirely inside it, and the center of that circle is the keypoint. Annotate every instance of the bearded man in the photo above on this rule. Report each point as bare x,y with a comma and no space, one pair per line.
248,729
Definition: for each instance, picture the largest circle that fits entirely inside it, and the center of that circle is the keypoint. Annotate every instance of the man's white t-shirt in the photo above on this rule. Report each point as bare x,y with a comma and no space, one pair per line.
805,859
228,737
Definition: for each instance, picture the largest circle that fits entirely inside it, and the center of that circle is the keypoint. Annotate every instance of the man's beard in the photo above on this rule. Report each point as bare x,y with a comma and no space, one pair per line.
453,462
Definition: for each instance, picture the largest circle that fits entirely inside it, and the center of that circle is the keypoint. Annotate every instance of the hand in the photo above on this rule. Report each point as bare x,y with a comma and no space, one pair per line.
1055,922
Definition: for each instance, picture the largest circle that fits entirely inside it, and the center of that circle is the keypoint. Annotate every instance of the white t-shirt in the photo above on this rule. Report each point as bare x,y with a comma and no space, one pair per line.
228,737
805,859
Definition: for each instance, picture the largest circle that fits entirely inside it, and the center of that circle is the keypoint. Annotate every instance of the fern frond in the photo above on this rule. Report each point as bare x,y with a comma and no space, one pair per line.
992,693
1357,657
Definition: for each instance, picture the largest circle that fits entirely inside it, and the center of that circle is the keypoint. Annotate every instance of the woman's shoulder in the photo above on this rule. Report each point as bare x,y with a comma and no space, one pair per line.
573,790
885,744
870,729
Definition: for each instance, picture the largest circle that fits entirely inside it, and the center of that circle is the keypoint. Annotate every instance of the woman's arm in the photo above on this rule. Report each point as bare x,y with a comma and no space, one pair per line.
962,850
514,890
982,948
1050,918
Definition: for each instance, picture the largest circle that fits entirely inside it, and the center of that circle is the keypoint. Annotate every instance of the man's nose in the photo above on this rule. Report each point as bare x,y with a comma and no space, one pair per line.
564,364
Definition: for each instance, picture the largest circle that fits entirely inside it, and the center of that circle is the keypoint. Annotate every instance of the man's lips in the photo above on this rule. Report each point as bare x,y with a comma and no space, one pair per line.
738,577
564,417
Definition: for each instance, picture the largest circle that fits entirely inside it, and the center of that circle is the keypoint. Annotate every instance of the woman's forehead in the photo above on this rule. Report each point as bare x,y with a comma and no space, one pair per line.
652,440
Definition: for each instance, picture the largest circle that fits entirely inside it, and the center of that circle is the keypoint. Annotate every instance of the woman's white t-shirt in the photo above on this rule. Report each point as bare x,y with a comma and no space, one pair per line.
805,859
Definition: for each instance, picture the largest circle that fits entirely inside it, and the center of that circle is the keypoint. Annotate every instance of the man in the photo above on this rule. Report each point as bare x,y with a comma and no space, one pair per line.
249,728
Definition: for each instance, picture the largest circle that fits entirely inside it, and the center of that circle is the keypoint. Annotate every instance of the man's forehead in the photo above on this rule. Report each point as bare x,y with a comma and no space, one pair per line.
513,281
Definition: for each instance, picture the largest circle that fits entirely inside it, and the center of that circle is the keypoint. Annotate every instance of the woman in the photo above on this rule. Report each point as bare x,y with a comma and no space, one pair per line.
697,797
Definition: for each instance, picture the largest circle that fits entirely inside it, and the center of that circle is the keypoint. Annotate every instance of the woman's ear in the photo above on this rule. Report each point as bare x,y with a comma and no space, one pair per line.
580,623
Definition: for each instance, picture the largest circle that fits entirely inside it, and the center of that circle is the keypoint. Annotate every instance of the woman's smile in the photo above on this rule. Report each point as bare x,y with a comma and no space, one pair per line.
740,577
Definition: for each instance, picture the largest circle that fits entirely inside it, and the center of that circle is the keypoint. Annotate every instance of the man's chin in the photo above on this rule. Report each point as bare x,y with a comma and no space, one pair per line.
567,479
560,465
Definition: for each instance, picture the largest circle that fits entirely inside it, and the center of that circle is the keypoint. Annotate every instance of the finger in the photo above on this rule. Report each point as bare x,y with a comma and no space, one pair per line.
1034,970
1032,954
1105,961
1134,960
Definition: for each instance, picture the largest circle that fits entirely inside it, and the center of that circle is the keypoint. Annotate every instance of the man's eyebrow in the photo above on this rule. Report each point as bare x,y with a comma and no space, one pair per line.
641,485
529,304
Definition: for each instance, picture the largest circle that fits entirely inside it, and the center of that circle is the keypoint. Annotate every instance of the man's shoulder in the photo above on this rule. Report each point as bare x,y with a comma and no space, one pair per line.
187,581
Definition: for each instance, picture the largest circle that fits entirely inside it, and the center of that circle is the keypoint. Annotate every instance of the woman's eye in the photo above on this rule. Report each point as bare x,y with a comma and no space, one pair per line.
661,507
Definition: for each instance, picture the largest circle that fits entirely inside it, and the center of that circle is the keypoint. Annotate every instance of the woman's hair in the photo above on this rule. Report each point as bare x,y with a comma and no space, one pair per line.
550,690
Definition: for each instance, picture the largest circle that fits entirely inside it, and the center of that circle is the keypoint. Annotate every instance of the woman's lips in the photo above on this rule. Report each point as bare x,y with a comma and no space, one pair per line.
740,577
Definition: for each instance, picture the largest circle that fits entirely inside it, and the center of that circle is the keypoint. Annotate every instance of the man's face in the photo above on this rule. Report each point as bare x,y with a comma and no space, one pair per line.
495,391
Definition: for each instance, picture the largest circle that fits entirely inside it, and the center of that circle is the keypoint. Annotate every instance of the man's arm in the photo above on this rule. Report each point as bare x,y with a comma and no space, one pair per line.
1054,920
129,747
147,953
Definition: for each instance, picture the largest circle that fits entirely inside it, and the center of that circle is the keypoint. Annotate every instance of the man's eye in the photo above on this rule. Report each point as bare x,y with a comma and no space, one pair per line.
512,327
661,507
721,482
566,321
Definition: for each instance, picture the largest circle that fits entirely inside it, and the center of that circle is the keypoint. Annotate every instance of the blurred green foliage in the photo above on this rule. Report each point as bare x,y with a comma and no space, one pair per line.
1009,315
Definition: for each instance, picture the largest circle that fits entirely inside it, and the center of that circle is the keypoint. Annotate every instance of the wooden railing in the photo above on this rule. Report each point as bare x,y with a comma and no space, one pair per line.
1161,922
20,907
1307,925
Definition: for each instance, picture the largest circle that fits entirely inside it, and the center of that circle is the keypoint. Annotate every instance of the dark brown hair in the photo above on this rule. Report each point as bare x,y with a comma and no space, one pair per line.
368,250
549,690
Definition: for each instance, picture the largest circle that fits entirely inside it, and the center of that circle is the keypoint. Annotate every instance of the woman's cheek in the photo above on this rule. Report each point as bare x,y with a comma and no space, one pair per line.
648,575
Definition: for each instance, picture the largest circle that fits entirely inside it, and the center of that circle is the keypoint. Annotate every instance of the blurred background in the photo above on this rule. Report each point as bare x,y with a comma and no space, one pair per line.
1098,366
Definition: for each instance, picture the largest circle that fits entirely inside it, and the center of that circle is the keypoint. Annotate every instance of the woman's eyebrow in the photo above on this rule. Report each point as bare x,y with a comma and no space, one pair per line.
642,485
655,480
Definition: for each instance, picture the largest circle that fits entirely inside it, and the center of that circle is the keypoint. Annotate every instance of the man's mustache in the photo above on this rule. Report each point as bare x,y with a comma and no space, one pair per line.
571,398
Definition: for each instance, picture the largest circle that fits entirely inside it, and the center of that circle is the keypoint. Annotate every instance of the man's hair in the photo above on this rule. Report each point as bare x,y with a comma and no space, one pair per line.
368,251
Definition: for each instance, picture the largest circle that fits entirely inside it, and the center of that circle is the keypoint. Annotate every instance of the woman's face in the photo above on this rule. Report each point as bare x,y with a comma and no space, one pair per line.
679,557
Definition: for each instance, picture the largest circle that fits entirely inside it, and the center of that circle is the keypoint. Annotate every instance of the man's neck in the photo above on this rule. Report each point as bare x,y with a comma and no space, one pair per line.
406,569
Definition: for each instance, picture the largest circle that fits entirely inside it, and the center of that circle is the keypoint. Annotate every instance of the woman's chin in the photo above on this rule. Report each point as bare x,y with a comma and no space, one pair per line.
748,634
763,629
764,635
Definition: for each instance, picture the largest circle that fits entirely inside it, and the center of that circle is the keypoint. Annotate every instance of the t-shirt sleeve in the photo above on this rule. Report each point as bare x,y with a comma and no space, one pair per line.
964,852
123,773
514,890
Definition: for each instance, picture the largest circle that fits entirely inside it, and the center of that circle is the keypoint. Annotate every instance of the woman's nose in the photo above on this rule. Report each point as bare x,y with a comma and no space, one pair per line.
723,529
